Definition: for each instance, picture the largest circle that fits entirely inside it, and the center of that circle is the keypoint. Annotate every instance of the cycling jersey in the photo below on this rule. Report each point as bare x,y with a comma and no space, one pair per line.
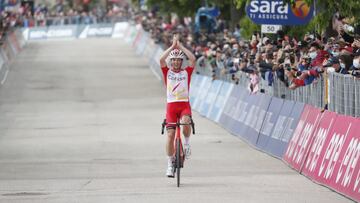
177,84
177,90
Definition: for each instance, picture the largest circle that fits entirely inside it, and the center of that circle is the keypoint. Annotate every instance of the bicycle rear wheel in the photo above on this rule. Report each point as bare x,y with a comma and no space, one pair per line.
178,161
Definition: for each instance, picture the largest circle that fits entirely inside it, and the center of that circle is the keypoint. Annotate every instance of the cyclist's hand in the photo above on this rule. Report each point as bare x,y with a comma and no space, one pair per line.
175,43
179,44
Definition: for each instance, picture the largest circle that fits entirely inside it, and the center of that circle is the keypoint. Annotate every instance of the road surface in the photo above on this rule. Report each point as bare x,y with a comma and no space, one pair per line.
80,122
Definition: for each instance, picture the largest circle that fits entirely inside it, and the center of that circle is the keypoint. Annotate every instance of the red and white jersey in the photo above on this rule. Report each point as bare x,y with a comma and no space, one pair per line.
177,84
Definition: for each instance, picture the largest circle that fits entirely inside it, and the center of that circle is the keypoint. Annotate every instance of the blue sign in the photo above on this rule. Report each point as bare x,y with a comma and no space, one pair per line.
278,12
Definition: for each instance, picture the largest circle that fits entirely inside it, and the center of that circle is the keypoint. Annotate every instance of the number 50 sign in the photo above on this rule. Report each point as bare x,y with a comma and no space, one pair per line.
270,28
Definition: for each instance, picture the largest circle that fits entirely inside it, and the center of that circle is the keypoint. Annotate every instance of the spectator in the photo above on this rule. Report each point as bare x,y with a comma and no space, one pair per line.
355,69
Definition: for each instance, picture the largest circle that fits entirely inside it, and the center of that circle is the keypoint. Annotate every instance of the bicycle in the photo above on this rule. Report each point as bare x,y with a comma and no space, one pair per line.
179,151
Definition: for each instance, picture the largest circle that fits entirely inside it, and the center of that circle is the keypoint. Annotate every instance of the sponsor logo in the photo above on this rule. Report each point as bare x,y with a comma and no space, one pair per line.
230,105
259,122
316,149
278,12
242,111
332,154
288,130
349,163
100,31
60,33
303,143
176,78
268,125
294,140
42,34
300,9
38,34
279,127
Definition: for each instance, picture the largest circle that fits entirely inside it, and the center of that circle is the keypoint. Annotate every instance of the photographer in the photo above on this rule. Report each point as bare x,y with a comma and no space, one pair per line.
343,28
266,66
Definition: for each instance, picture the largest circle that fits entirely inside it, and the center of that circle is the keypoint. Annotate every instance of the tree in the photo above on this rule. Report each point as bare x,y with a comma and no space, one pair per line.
189,8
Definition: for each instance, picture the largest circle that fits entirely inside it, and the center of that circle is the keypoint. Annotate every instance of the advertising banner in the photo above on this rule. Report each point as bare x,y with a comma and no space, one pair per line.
320,134
20,38
120,29
269,122
131,34
285,124
293,121
232,107
9,55
2,62
14,43
278,12
143,42
346,178
334,156
63,32
99,30
52,32
300,143
246,105
196,81
201,96
149,50
210,97
37,33
4,54
219,104
139,33
255,117
155,63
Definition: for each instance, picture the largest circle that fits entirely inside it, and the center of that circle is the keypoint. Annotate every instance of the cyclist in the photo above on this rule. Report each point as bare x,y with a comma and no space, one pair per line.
177,82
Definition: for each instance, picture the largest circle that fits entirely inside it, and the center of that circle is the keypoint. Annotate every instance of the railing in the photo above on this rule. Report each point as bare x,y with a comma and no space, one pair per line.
74,20
339,93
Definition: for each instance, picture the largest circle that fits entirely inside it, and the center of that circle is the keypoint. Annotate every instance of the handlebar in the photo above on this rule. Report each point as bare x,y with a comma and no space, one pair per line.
164,123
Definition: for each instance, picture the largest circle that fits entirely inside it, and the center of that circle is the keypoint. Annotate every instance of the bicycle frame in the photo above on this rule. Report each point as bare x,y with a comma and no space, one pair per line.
179,151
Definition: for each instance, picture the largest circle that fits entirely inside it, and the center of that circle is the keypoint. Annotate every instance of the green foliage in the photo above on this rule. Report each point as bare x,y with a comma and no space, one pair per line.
189,8
248,27
180,7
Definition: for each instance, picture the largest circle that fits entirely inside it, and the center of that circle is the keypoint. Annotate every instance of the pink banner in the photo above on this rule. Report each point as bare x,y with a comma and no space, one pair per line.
346,176
320,134
300,143
334,162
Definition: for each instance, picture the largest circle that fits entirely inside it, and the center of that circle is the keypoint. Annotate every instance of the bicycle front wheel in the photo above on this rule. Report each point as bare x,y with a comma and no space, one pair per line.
178,161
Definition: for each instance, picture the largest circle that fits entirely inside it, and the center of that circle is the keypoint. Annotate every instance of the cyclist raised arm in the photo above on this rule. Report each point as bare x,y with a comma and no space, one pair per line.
167,52
177,45
177,82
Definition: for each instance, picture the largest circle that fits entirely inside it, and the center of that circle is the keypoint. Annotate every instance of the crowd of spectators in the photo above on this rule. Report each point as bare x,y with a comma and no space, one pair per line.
223,52
60,14
296,62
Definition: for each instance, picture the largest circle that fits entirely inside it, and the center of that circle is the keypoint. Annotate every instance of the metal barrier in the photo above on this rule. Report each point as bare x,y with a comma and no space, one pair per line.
341,93
344,94
75,20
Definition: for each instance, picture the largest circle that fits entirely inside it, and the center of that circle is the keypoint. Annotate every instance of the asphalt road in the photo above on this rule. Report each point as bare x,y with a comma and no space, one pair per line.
80,122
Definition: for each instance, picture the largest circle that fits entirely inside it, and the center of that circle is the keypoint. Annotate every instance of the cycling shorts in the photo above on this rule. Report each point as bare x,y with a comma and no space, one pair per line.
175,110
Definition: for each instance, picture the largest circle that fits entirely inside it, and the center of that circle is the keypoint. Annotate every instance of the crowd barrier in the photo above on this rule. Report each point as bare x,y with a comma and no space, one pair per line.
341,93
116,30
11,46
323,146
